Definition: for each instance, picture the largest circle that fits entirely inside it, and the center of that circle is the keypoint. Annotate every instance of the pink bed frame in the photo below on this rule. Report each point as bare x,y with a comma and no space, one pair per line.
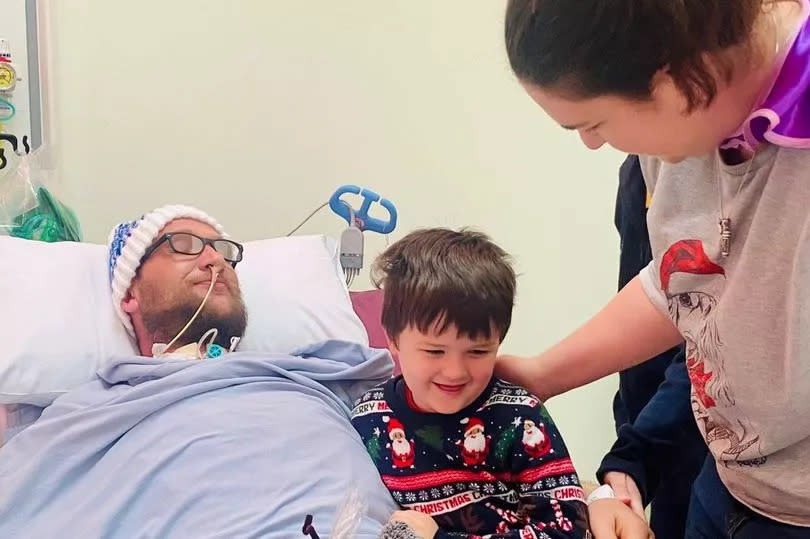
368,307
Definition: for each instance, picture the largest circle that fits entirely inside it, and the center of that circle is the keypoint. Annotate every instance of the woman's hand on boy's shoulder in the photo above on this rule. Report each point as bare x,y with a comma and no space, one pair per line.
611,518
524,372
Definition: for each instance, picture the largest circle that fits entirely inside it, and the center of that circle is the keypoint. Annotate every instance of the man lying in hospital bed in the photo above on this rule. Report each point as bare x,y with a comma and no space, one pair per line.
185,443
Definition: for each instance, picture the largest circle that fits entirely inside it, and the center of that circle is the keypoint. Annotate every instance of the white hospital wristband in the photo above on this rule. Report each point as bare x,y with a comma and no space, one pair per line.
602,493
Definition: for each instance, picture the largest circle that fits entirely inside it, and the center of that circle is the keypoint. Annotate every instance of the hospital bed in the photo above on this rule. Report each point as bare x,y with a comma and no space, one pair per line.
367,305
295,290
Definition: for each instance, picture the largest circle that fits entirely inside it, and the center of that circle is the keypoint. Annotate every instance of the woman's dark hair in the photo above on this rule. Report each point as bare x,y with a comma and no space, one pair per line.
588,48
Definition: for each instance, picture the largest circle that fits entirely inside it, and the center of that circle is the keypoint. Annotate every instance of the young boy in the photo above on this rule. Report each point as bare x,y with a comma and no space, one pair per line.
478,455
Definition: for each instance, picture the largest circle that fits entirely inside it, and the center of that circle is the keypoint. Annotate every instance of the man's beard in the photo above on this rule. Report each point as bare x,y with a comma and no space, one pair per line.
164,322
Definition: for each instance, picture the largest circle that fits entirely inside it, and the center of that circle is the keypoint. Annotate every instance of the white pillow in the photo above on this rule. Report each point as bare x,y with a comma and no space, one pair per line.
57,323
296,295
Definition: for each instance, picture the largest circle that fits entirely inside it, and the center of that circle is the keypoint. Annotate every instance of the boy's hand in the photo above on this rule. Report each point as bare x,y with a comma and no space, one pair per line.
612,519
422,525
626,490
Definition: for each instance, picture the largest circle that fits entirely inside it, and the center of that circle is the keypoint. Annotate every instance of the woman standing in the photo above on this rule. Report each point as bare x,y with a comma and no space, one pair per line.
716,96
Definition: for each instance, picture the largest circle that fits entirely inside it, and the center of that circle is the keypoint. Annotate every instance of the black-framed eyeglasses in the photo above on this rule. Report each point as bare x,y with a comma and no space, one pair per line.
186,243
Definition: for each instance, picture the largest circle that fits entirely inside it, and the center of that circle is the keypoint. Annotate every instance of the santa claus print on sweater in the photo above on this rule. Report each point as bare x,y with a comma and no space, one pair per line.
475,445
536,442
402,451
693,312
497,466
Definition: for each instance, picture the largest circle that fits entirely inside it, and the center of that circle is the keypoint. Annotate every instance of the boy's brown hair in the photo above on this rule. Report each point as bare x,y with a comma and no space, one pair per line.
446,277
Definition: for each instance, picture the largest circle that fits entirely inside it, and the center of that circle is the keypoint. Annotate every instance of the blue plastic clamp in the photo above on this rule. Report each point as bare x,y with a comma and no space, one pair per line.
361,217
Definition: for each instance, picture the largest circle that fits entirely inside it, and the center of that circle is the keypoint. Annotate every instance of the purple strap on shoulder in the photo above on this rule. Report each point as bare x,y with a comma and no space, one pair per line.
783,117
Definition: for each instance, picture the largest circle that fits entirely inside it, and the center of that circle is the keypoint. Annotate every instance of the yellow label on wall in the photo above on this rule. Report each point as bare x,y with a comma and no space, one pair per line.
7,77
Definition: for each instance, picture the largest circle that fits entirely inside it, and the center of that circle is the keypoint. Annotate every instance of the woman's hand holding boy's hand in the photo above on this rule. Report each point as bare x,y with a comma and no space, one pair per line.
613,519
626,490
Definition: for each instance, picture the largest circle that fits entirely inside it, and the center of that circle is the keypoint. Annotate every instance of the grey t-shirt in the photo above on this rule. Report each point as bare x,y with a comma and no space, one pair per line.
745,317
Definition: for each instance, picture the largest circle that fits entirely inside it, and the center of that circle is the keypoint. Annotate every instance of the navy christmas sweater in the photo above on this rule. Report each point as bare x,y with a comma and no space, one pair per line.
498,468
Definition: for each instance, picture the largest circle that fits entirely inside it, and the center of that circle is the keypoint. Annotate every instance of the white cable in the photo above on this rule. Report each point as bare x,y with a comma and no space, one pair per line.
211,335
302,223
214,275
351,273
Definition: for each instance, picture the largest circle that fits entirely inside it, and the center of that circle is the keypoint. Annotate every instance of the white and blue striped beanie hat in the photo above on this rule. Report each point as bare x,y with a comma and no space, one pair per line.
129,241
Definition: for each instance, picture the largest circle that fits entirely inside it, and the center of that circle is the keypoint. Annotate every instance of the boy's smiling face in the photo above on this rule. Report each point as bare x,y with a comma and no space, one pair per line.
445,371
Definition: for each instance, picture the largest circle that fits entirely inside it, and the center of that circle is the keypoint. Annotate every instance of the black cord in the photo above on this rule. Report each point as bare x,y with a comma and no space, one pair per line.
308,529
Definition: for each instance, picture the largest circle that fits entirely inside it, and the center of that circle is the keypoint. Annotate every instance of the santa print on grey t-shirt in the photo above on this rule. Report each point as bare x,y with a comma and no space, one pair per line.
693,311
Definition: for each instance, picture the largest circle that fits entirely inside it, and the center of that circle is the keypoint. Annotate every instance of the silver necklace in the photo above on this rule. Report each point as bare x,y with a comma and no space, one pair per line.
724,223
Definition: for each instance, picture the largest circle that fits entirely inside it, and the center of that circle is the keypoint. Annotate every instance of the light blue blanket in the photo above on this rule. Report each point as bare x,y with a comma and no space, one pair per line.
243,446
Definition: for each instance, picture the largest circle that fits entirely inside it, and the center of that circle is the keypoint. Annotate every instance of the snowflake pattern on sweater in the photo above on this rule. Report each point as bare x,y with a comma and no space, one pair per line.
498,468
